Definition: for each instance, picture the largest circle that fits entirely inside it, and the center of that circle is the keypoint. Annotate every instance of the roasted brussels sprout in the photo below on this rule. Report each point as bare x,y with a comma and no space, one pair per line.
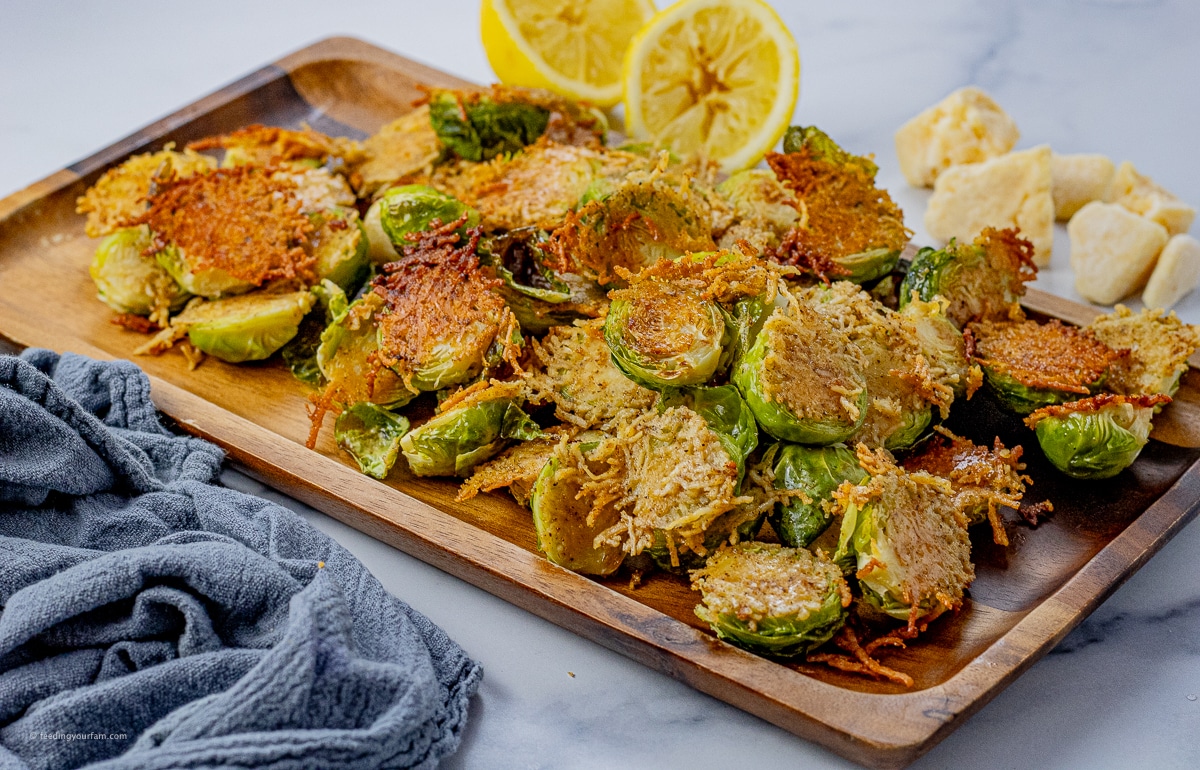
801,378
539,296
300,353
821,147
725,411
771,599
573,368
904,539
246,328
981,281
339,245
941,343
348,358
372,437
120,194
662,335
1028,365
412,208
517,467
442,324
470,427
567,520
644,219
1095,438
129,282
814,473
478,127
763,209
210,282
1158,347
398,149
849,228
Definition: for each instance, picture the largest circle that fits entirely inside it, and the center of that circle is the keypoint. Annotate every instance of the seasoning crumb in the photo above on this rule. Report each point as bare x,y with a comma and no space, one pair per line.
572,675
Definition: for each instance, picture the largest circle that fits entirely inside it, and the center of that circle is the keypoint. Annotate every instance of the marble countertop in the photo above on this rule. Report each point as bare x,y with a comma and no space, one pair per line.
1119,77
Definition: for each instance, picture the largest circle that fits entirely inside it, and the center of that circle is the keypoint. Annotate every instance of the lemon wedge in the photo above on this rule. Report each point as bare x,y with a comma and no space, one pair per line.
716,78
572,47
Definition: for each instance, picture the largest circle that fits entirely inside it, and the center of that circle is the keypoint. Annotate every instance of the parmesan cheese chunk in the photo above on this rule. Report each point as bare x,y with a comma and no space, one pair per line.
1113,251
965,127
1176,273
1141,195
1013,190
1078,180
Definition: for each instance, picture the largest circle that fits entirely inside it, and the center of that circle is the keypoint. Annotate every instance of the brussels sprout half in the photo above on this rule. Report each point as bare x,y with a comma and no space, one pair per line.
771,599
347,358
821,147
799,381
246,328
300,353
211,282
816,472
478,128
726,413
941,342
1098,437
471,428
412,209
340,249
665,336
567,524
129,282
372,437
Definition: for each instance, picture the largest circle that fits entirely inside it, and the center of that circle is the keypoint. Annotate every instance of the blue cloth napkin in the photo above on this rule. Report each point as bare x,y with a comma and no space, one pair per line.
154,620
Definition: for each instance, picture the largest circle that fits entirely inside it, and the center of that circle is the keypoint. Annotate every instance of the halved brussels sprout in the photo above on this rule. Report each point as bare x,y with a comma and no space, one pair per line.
246,328
412,209
981,281
801,378
755,192
538,296
478,127
568,523
348,358
120,194
300,353
339,246
210,282
640,222
1095,438
816,472
372,437
821,147
1028,365
771,599
379,246
941,343
726,413
905,540
662,335
470,427
129,282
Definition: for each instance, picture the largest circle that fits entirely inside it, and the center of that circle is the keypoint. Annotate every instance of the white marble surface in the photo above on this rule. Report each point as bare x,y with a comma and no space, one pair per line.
1121,77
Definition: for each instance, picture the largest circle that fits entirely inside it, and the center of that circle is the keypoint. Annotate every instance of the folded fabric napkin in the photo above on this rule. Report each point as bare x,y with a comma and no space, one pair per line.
154,620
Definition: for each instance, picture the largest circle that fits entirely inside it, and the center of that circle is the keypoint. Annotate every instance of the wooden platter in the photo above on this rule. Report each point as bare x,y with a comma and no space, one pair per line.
1025,599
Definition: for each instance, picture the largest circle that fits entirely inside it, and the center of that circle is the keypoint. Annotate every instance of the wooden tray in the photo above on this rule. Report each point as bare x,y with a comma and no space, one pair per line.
1025,599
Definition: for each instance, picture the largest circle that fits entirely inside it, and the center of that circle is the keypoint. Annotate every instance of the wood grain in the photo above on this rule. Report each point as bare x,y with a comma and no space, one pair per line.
1025,599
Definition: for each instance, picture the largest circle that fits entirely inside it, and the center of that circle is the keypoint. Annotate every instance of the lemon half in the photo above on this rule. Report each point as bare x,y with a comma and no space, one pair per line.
572,47
716,78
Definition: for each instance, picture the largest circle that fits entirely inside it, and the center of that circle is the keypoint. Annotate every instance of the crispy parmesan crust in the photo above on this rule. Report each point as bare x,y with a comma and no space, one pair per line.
573,368
982,478
265,145
120,194
516,468
406,146
1095,404
1045,356
842,212
1159,346
438,295
245,221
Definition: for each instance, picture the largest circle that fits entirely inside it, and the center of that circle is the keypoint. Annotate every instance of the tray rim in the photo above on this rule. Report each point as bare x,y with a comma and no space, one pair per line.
784,697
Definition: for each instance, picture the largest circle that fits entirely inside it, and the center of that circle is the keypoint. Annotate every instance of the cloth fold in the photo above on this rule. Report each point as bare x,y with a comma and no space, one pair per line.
152,619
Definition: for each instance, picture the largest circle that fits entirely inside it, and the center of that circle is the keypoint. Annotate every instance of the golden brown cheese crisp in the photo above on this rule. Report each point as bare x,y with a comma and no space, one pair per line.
573,368
516,468
120,195
406,146
1159,346
265,145
245,221
1047,355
